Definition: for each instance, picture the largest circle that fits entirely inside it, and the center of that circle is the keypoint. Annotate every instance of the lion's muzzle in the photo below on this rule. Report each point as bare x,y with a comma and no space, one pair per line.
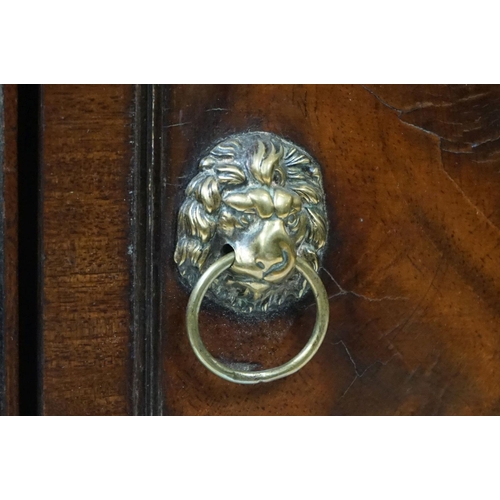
267,255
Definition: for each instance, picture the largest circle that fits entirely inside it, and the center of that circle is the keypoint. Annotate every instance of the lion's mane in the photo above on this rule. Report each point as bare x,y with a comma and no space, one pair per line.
229,166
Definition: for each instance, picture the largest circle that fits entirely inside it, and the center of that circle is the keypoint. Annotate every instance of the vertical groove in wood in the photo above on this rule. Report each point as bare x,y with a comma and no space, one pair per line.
41,236
9,368
28,272
145,249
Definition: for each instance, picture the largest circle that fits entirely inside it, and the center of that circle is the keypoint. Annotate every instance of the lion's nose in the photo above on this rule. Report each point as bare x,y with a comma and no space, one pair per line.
279,268
269,256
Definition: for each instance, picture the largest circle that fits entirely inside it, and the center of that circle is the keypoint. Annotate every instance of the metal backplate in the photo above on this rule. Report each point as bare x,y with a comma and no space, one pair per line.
262,197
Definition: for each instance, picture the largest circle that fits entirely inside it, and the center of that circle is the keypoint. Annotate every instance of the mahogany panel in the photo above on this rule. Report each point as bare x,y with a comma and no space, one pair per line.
9,365
411,177
88,149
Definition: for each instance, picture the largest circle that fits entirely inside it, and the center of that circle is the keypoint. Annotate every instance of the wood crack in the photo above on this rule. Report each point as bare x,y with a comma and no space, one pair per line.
342,291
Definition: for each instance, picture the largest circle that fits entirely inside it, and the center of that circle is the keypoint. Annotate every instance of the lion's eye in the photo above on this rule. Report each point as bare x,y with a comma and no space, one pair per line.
293,223
277,179
245,220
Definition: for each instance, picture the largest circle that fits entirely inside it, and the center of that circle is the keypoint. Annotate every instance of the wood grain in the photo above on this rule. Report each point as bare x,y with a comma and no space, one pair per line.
9,397
85,302
412,177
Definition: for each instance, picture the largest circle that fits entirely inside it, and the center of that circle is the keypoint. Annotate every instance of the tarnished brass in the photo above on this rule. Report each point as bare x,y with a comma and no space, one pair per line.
254,377
261,197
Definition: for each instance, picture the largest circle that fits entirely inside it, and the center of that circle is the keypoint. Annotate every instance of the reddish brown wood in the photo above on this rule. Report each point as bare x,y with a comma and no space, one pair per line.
85,322
9,400
411,175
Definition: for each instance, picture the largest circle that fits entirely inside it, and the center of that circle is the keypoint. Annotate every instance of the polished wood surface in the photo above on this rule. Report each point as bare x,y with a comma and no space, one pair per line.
9,397
411,175
411,179
85,266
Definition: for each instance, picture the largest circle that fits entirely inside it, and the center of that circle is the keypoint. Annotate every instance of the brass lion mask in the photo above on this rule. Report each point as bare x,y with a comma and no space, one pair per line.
261,197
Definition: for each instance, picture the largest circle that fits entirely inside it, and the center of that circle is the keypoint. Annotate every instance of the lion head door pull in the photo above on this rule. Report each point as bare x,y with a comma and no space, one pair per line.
262,197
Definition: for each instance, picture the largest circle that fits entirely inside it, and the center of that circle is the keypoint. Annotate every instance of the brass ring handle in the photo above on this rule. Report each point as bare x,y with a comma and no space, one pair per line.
268,375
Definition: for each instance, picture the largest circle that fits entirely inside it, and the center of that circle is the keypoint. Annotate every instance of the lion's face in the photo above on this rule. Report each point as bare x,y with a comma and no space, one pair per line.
263,197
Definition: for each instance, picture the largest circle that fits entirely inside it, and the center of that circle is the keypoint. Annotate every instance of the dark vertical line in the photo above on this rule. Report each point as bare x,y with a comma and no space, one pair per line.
153,251
40,249
3,360
28,198
145,249
149,262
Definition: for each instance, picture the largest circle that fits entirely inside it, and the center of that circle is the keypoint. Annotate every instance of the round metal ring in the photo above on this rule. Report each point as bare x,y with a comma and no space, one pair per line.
268,375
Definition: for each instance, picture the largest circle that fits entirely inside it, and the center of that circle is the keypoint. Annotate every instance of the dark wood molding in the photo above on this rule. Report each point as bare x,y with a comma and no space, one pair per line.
145,250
